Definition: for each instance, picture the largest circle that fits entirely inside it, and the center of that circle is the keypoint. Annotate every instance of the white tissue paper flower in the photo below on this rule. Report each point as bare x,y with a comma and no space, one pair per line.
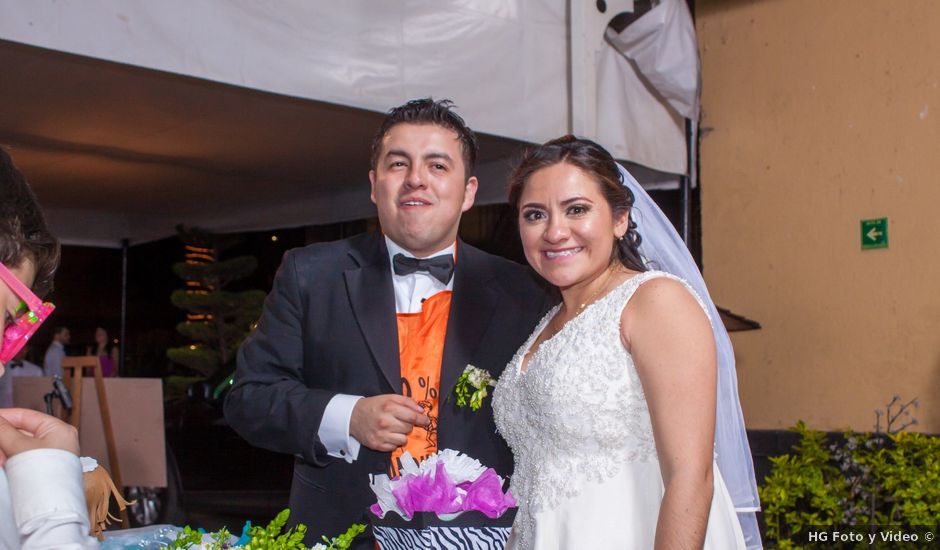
381,485
88,464
408,465
460,467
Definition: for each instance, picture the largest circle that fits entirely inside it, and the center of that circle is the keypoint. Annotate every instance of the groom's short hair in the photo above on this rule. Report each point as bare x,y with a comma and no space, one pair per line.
428,111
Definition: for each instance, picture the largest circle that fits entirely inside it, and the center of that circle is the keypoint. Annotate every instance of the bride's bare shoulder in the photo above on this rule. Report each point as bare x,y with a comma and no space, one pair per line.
662,303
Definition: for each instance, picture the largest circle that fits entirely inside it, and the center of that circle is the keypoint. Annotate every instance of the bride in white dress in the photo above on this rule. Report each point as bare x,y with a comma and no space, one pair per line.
609,407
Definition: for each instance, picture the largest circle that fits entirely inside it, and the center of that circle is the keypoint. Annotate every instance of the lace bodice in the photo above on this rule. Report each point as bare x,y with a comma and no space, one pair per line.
578,408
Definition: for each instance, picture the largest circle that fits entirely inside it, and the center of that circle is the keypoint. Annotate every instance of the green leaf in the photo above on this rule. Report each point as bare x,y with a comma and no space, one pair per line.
188,538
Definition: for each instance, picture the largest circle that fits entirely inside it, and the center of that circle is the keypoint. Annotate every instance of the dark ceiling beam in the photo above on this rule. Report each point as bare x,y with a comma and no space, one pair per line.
112,153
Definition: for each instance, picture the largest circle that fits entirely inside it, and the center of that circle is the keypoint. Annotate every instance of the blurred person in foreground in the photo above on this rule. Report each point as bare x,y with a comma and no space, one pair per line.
42,502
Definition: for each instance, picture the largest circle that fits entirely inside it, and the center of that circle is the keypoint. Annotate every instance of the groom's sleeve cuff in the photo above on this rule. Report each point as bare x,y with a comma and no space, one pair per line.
334,428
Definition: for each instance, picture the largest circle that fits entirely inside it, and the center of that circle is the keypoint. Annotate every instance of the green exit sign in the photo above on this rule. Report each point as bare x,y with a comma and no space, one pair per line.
875,233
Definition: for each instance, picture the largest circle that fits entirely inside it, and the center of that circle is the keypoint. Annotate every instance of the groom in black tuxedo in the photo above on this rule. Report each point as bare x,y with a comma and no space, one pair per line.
362,340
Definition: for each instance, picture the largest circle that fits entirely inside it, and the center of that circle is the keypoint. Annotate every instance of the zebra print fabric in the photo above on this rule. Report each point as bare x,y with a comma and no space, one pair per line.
442,538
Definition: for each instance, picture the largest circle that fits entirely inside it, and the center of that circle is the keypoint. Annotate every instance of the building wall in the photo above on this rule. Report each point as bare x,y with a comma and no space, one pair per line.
818,115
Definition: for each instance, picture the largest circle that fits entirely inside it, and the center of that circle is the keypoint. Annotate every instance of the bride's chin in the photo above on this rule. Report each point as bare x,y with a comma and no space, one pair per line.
561,282
563,274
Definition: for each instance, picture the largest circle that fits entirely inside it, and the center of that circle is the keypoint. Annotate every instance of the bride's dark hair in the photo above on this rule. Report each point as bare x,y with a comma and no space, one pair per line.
597,163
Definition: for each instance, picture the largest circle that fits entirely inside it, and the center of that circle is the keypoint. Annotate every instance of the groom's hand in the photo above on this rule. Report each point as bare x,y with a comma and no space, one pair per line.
382,423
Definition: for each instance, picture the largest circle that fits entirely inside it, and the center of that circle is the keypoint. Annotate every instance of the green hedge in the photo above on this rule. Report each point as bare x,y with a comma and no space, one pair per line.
860,480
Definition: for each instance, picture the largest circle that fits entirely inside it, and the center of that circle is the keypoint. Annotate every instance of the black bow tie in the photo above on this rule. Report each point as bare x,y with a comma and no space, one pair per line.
440,267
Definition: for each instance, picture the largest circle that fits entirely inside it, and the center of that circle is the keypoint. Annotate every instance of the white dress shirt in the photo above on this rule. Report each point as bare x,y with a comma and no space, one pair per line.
23,368
410,293
52,362
42,502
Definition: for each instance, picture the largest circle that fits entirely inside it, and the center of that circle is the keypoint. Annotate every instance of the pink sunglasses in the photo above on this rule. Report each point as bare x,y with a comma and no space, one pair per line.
31,313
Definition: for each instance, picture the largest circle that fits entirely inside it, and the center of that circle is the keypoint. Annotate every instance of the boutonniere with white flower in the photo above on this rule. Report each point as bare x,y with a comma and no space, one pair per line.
472,386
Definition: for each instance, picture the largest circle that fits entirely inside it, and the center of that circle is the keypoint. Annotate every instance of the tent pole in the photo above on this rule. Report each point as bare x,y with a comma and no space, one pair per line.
125,246
685,182
685,204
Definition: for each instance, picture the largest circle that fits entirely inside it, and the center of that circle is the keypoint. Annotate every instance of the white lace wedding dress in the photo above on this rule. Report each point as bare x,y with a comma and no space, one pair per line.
586,470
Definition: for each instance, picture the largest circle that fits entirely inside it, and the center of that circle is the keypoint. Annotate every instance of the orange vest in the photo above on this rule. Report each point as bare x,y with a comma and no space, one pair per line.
421,350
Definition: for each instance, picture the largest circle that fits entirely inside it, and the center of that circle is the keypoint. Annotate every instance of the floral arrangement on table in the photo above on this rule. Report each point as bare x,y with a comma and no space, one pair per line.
262,538
448,501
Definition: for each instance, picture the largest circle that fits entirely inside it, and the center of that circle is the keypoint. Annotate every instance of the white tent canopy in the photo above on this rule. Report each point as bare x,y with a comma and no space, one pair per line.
239,114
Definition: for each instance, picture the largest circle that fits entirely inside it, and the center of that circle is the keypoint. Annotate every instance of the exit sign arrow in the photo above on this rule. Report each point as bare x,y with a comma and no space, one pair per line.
874,233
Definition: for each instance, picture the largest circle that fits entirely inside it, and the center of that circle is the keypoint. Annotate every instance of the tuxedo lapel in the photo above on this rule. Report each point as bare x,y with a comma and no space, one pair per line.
372,298
471,308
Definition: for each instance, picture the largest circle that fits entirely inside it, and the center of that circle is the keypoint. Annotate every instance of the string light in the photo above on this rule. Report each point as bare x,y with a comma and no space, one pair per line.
198,255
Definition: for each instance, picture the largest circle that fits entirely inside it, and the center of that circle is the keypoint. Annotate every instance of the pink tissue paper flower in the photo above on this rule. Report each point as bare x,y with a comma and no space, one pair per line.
431,491
486,495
